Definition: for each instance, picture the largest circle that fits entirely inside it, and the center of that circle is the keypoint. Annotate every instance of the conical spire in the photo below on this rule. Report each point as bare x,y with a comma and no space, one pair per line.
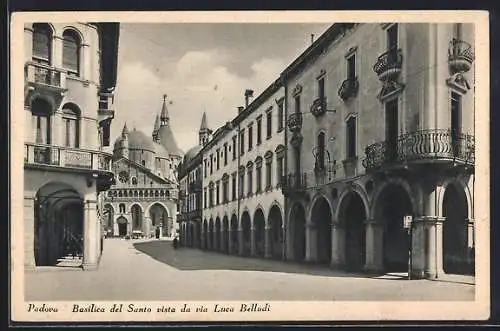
204,122
157,123
164,111
125,130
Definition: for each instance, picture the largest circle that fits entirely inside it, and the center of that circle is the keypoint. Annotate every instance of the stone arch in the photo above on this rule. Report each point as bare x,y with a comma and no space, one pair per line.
217,233
296,232
50,105
259,233
246,224
275,224
160,203
135,204
276,204
460,183
315,199
211,233
233,225
354,188
393,181
49,25
321,218
75,31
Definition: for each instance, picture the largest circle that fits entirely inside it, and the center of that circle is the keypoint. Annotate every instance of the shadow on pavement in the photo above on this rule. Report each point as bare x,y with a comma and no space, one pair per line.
194,259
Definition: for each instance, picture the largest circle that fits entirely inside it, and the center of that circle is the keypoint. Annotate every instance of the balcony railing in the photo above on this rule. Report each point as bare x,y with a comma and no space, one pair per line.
57,156
44,75
460,55
295,122
318,107
389,64
349,88
421,146
294,184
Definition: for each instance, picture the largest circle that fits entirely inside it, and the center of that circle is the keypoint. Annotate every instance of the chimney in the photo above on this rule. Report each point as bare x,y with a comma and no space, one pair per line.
240,109
248,96
312,38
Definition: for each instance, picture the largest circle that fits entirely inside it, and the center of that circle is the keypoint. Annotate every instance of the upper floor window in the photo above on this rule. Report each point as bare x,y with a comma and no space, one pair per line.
218,157
351,67
211,164
134,180
233,186
121,207
297,104
250,137
242,142
234,148
71,52
71,126
392,38
269,120
280,116
320,154
321,87
42,43
225,154
259,130
41,112
351,137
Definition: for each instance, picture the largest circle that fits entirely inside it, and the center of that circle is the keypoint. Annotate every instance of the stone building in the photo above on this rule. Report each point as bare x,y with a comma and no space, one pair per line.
380,129
143,200
70,76
191,190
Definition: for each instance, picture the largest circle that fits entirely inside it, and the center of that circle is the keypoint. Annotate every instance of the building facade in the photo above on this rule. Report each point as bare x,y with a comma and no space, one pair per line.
380,129
143,201
70,76
191,190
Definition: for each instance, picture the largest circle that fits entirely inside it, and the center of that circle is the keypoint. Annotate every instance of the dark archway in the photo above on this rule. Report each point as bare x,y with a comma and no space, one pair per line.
352,214
233,249
109,216
58,215
390,208
159,219
211,234
457,257
205,234
275,220
246,230
136,212
122,226
225,234
259,223
298,231
217,236
197,234
321,216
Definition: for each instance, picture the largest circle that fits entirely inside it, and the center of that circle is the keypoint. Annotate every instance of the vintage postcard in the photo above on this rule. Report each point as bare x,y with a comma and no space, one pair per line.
249,166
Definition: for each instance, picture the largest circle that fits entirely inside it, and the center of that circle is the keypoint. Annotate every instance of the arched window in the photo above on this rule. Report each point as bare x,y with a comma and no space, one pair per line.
71,52
71,120
134,181
122,208
42,43
143,163
320,156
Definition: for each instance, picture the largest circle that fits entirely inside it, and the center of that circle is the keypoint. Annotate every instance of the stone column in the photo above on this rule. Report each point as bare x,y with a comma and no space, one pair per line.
338,246
289,241
311,243
374,246
253,241
241,243
470,241
427,247
90,235
268,241
29,232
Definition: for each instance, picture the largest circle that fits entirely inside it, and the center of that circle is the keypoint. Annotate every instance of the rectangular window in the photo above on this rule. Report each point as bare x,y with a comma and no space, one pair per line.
269,124
224,192
218,158
392,38
205,198
391,128
351,67
279,170
321,88
241,185
211,197
233,185
269,175
258,182
217,193
297,104
242,142
259,130
280,116
234,148
250,137
250,178
205,168
351,137
225,154
211,164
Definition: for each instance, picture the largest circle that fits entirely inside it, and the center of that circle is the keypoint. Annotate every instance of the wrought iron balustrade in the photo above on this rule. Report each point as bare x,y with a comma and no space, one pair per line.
460,55
295,122
349,88
389,64
294,183
318,106
420,146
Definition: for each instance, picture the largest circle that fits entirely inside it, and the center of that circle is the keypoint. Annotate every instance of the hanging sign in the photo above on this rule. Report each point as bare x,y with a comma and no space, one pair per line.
407,222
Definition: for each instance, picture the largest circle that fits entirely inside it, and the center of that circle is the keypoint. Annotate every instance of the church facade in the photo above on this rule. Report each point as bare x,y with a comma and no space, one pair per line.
143,201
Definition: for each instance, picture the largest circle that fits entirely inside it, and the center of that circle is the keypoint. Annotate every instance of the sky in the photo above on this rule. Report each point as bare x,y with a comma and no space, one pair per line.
200,67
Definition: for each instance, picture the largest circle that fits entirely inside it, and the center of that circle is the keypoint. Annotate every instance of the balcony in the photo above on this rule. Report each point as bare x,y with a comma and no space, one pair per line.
195,187
295,122
97,163
426,146
460,56
294,185
46,80
349,88
389,64
318,107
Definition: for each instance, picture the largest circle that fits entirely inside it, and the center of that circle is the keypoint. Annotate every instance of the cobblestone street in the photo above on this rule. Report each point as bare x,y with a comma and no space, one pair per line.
152,270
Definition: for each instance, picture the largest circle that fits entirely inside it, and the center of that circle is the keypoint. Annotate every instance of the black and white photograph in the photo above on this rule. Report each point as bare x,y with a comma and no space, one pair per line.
224,167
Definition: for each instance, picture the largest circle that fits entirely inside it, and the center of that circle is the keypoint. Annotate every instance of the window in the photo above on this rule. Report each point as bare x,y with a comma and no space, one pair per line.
205,198
280,116
242,142
351,67
259,130
233,185
211,164
134,180
320,154
250,137
269,175
225,154
241,184
258,179
41,112
321,88
392,37
71,52
279,169
217,193
250,177
217,157
42,43
143,162
297,104
71,126
122,208
225,193
205,168
269,120
456,120
351,137
234,148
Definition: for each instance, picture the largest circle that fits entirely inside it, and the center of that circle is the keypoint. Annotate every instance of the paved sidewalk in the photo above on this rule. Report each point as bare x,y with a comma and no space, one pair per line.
152,270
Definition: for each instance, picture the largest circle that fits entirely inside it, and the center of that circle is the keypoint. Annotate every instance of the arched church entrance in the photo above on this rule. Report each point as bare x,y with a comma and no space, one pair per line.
122,226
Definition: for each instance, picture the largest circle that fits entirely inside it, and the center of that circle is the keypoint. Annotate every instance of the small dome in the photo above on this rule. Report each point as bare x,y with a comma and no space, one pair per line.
137,140
161,151
191,153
